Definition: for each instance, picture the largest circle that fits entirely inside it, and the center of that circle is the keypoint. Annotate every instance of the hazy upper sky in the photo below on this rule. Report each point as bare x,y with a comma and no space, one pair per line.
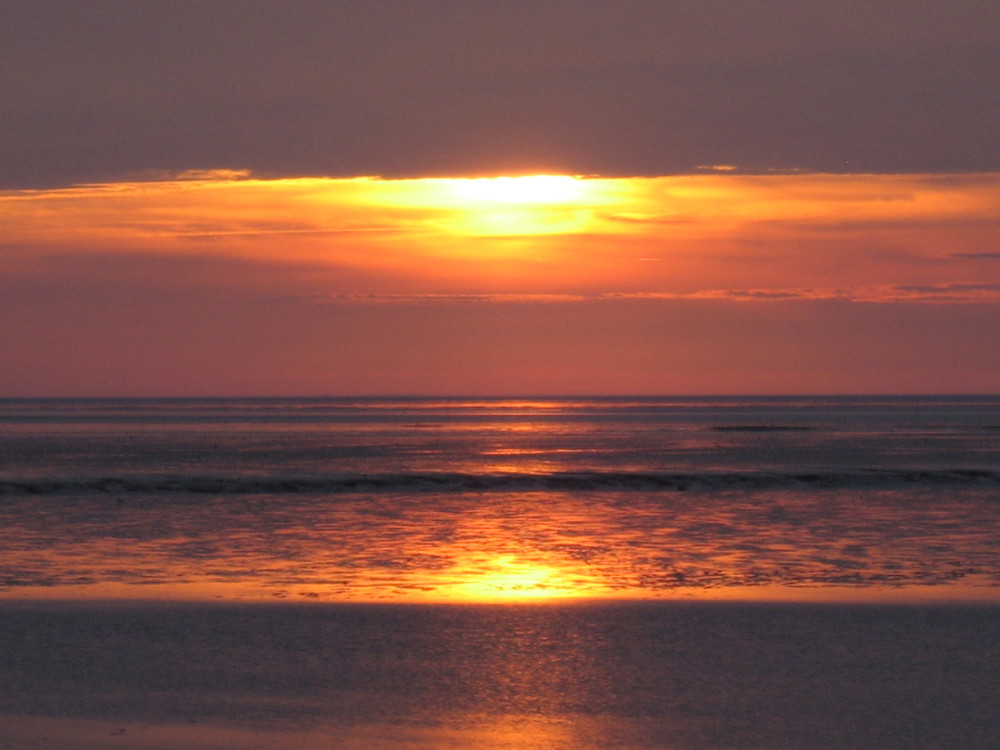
93,89
820,214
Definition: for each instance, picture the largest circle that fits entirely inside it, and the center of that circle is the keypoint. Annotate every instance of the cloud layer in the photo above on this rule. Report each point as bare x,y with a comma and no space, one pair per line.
717,236
227,284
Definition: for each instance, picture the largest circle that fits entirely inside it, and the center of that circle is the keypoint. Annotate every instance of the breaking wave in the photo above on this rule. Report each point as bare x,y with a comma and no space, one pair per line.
505,482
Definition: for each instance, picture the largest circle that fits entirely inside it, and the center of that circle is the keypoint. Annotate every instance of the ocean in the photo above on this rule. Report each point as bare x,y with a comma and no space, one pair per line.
726,572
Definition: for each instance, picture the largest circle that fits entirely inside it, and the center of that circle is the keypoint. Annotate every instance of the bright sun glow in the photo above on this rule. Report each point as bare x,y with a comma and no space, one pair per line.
530,205
500,206
530,189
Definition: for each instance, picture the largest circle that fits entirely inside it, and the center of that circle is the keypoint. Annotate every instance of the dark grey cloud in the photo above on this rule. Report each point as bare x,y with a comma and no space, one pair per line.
949,288
96,90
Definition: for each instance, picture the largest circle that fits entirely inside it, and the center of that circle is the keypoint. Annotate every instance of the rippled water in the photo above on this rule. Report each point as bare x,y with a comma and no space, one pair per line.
499,499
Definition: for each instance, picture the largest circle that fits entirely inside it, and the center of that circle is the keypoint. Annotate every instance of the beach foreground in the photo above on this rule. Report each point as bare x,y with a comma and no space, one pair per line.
690,675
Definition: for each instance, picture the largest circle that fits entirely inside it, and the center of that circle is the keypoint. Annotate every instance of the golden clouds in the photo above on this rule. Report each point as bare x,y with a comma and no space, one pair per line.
709,236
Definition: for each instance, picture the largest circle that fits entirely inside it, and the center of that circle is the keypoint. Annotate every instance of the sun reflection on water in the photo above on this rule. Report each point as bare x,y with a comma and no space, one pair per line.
503,546
508,578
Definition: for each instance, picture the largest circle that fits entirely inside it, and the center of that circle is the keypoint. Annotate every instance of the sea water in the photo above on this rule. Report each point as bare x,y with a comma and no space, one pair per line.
781,573
445,499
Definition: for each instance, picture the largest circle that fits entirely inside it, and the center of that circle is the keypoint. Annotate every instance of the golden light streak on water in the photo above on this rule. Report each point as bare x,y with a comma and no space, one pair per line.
508,578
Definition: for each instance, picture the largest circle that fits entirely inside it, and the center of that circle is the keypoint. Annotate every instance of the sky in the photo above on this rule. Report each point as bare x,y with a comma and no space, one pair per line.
343,198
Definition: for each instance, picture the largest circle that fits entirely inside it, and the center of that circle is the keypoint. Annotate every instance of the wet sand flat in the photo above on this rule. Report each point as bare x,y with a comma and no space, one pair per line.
629,675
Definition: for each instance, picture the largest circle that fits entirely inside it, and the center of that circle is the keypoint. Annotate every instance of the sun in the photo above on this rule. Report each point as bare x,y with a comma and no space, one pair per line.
527,205
526,190
501,206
